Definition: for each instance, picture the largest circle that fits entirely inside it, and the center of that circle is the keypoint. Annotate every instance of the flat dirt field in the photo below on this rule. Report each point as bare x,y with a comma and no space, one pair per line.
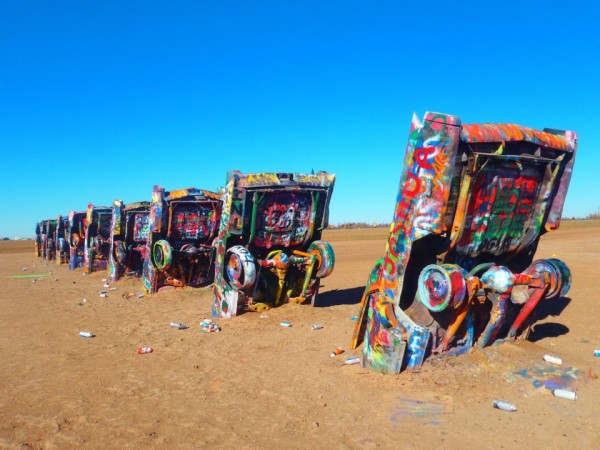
259,385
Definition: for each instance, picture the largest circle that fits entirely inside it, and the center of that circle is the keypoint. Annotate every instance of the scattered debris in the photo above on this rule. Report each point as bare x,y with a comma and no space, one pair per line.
143,350
504,406
553,360
317,326
336,352
285,324
564,393
179,326
208,326
352,360
86,334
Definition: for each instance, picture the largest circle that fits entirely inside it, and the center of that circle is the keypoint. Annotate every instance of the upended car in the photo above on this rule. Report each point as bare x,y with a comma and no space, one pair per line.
183,225
47,236
62,252
459,270
129,230
269,249
96,248
75,237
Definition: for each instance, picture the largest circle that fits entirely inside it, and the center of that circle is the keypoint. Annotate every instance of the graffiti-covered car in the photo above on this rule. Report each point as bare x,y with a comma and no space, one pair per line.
61,243
269,249
459,268
38,239
182,228
96,245
128,235
75,236
47,236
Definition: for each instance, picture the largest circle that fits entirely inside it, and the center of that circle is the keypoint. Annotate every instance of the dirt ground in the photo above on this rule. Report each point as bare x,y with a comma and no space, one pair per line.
259,385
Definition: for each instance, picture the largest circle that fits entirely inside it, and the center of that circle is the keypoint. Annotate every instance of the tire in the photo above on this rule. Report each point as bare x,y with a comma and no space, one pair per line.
240,267
325,257
162,255
120,252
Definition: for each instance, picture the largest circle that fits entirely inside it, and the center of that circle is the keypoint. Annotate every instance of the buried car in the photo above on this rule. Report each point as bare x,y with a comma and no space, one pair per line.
96,246
459,268
269,249
75,236
183,224
60,238
38,239
47,239
128,234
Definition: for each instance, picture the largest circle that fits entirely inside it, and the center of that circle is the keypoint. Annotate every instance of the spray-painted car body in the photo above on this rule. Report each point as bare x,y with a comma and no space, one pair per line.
182,228
97,238
269,249
46,246
38,239
128,235
75,236
62,251
459,266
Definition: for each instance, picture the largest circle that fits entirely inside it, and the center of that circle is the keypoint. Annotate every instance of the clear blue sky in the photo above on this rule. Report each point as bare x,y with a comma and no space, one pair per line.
102,100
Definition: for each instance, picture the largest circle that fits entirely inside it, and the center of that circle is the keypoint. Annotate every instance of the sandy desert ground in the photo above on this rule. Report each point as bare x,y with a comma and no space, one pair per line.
259,385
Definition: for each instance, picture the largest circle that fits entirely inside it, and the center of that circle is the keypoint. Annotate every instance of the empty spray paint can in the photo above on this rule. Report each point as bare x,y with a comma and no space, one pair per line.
317,326
86,334
142,350
285,324
352,360
337,351
504,406
179,326
553,360
564,393
596,352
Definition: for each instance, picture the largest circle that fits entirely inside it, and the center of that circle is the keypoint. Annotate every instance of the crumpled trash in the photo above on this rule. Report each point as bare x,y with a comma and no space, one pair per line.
208,326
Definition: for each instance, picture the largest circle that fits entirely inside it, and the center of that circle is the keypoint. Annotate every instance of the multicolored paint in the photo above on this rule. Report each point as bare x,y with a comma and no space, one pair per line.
130,226
62,245
269,247
181,229
47,244
38,239
97,238
472,204
75,236
548,376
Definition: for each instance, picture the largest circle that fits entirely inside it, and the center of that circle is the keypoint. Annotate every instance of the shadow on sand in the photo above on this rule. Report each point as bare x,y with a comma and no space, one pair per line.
336,297
549,308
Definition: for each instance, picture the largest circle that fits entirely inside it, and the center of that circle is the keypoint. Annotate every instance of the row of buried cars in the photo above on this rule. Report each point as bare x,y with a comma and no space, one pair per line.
459,268
258,239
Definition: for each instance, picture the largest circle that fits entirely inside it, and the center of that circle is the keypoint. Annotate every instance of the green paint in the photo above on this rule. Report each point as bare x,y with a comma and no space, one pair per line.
30,275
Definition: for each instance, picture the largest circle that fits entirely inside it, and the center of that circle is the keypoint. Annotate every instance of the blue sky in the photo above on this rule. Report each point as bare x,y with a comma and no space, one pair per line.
102,100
